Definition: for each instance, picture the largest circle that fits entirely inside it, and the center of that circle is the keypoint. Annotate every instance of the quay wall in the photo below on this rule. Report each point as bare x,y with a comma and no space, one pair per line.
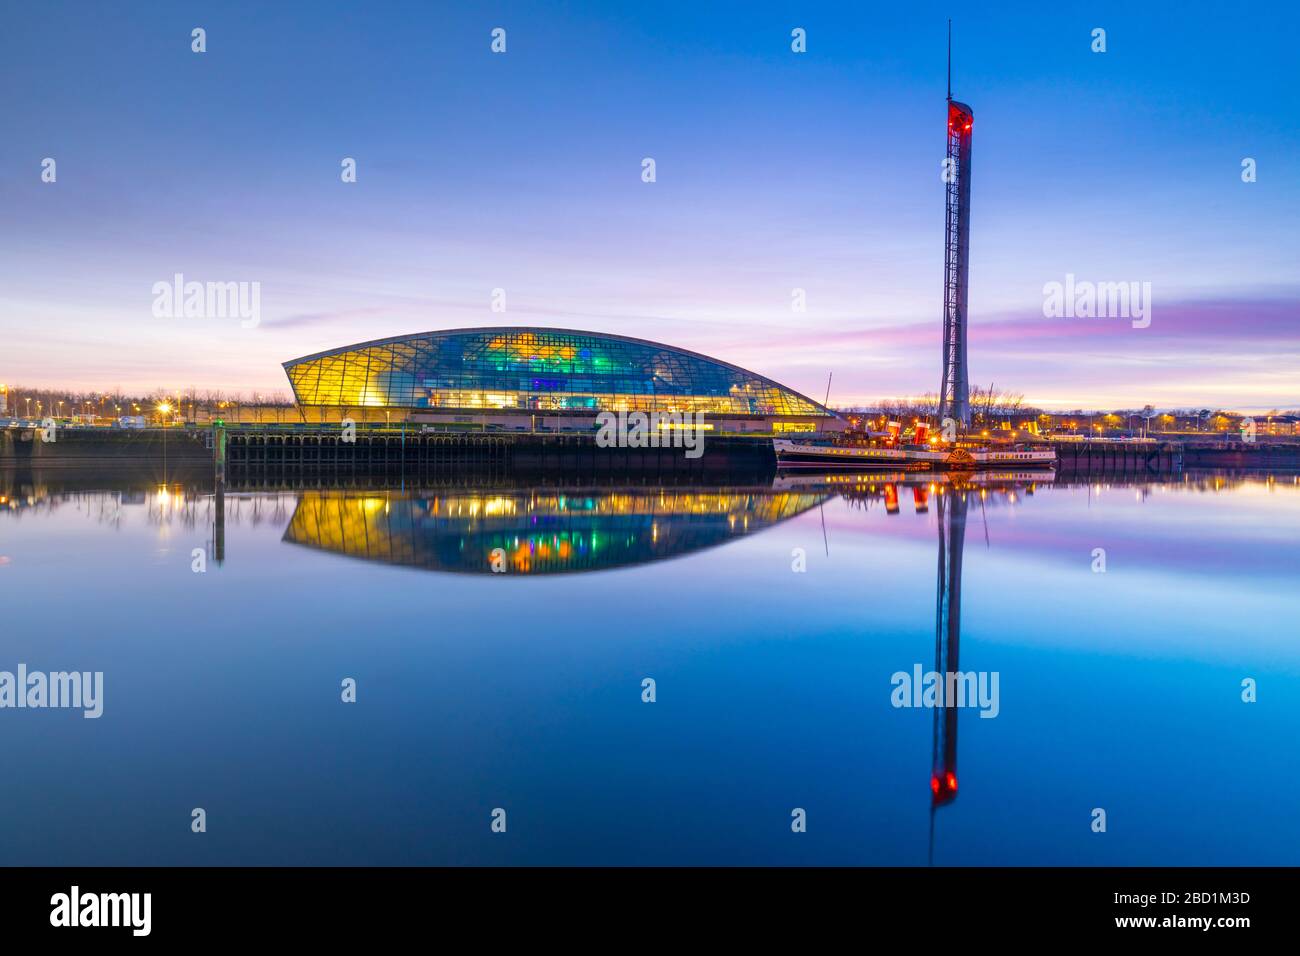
271,451
95,447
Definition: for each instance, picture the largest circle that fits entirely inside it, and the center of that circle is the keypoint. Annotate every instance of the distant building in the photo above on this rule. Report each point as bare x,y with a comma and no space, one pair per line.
1279,425
538,378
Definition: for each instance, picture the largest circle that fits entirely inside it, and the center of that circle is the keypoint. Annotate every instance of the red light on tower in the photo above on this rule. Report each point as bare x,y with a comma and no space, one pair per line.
960,117
943,787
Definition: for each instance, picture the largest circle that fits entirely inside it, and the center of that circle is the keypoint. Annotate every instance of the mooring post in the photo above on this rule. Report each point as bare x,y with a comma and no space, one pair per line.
219,487
219,451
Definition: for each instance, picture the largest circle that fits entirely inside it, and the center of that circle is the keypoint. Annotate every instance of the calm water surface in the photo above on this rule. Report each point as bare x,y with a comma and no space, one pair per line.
522,689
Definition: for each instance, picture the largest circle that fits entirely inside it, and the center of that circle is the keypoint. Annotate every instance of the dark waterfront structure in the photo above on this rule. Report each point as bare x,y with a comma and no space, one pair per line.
393,452
954,392
539,379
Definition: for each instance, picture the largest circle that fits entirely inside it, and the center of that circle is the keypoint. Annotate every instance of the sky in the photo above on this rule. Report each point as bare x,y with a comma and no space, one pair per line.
775,171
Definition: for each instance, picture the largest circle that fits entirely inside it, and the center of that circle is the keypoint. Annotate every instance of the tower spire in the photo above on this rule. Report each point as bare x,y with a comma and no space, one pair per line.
954,393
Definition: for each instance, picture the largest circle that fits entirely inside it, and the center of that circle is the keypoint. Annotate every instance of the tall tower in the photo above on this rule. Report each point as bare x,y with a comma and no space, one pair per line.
954,393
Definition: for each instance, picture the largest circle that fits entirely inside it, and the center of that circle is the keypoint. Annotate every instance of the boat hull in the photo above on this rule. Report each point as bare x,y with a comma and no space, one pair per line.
793,454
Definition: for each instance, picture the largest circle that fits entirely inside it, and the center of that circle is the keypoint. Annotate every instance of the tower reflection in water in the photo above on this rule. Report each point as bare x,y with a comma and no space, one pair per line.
547,531
951,510
535,531
950,496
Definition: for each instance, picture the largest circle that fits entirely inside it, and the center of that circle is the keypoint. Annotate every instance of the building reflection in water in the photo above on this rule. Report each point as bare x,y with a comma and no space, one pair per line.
535,531
547,530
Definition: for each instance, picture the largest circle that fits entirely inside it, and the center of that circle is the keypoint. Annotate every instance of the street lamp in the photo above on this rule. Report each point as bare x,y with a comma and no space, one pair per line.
164,408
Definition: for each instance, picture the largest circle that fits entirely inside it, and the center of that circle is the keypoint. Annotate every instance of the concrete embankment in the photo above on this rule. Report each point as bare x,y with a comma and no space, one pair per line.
329,452
1104,457
1171,457
271,455
271,452
82,447
1243,455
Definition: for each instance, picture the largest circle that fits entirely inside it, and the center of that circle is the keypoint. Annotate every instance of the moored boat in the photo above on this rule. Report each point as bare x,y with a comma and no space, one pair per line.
1016,457
821,453
792,453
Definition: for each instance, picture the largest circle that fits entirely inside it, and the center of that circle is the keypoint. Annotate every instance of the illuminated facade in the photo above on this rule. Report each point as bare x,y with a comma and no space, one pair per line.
512,377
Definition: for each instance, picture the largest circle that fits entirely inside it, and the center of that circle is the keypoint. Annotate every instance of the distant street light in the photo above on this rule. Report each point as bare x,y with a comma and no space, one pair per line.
164,408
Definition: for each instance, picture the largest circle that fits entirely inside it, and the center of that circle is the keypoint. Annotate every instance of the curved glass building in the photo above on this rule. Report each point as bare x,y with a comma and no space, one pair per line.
513,376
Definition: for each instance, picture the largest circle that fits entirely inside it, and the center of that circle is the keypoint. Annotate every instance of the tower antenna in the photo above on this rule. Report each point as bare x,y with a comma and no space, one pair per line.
954,393
950,59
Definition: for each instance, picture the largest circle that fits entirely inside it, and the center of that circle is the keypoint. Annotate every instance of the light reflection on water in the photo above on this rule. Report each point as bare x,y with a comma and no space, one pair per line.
535,531
522,689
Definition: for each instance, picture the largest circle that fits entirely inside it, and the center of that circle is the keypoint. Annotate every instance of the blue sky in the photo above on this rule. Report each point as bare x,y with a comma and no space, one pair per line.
775,171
